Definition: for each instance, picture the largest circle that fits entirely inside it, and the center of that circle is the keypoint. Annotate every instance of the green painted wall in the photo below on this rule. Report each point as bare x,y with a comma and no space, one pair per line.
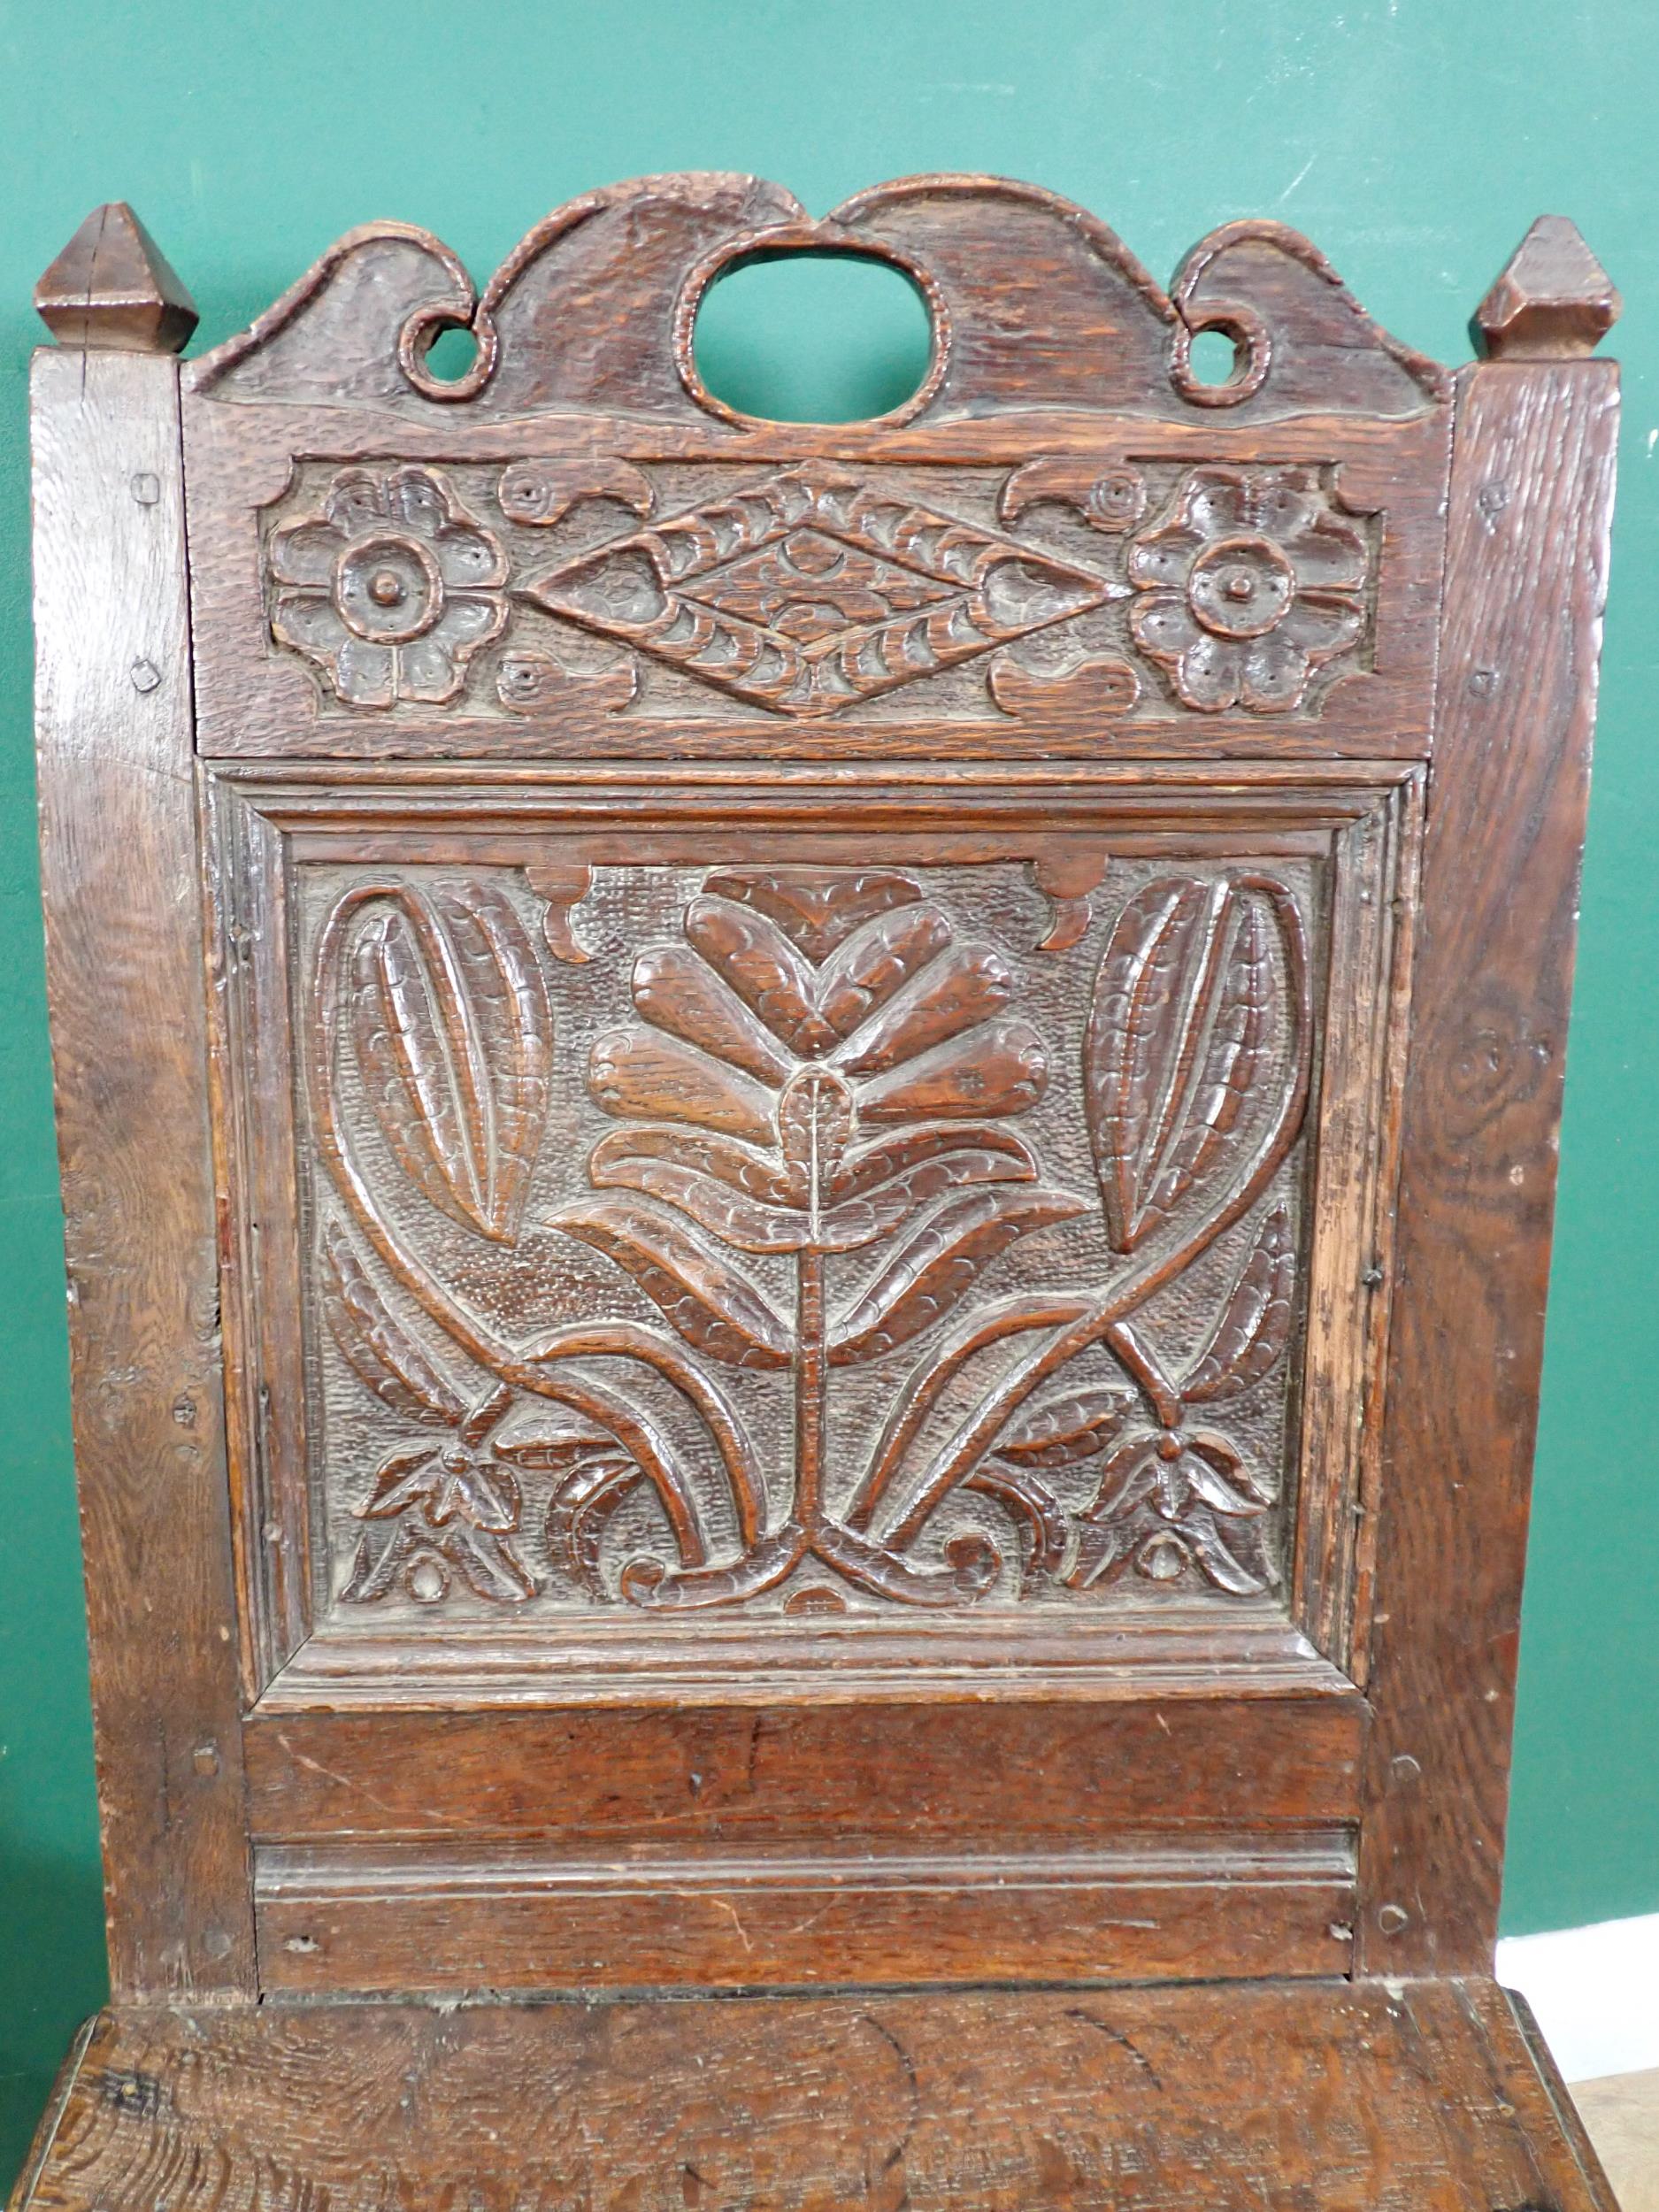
1412,139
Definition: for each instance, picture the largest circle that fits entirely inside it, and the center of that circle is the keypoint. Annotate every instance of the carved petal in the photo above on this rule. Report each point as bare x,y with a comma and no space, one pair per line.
815,1125
676,991
696,1288
634,1071
963,987
399,1482
872,964
764,969
939,1264
998,1069
1205,1546
1240,1490
816,907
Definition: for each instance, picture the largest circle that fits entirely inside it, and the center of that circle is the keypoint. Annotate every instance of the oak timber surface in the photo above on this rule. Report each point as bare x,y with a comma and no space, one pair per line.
1412,2095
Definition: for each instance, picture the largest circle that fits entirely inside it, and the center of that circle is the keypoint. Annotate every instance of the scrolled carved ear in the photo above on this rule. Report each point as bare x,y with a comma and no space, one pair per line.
338,334
1300,334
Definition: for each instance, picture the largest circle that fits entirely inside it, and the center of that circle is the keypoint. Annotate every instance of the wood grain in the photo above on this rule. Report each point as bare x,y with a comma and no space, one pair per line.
124,978
887,1766
1531,502
874,1110
1421,2098
1170,1907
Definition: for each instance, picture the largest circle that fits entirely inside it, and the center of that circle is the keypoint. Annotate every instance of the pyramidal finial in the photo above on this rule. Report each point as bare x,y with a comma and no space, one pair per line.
111,288
1553,300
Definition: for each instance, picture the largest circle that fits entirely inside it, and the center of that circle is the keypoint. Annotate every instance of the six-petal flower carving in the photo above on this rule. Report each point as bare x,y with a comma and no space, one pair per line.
391,589
1251,585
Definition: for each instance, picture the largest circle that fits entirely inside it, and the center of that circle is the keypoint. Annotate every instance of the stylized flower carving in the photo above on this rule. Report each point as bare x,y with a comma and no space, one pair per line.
391,589
1251,585
808,1011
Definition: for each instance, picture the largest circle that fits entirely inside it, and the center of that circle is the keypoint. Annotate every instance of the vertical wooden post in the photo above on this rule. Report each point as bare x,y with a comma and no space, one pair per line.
1531,509
124,972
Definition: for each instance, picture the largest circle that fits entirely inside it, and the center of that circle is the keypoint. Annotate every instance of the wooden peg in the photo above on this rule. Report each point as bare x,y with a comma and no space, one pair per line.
111,288
1552,300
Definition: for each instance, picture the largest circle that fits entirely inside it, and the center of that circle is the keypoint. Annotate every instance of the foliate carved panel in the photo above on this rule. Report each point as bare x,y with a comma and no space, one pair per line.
813,1238
821,589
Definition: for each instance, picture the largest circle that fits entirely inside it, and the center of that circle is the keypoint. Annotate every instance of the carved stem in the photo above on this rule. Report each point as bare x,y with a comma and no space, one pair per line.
1102,1319
636,1434
923,1391
809,1387
628,1340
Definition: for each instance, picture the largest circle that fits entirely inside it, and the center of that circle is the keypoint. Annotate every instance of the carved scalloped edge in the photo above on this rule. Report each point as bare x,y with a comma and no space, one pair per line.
470,308
855,226
1100,236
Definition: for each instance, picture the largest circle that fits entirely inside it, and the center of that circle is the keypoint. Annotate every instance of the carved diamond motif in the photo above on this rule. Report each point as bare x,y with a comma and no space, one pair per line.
809,592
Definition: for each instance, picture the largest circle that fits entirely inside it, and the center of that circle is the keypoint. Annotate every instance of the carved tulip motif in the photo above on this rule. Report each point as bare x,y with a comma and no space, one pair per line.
817,1157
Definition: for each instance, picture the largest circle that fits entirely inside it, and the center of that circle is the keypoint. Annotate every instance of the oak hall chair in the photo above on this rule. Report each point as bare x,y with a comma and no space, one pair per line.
808,1175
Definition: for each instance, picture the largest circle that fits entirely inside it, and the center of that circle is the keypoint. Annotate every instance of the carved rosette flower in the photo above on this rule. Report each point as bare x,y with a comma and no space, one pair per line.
391,589
1253,584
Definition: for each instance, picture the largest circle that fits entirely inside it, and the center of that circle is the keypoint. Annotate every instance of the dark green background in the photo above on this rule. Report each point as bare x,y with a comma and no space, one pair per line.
1413,139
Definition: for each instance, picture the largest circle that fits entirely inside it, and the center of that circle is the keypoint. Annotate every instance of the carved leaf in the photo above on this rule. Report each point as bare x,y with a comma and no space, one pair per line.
695,1286
581,1508
1062,1432
866,1169
1180,1043
1240,1004
710,1203
553,1454
1253,1332
1039,1513
454,1037
391,1363
740,1166
938,1265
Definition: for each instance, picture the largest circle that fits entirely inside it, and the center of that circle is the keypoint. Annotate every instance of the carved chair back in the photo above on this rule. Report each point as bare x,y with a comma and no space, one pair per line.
808,1168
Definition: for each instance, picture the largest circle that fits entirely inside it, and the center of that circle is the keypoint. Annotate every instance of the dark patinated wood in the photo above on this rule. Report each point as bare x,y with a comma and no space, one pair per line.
844,1294
112,289
1326,2096
1531,505
119,857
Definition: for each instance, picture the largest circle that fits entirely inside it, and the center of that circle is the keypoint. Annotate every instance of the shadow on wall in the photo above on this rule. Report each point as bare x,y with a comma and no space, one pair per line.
52,1974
